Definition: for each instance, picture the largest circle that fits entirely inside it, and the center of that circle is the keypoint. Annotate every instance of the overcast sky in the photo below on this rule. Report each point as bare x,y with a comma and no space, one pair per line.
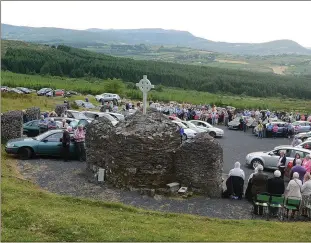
251,22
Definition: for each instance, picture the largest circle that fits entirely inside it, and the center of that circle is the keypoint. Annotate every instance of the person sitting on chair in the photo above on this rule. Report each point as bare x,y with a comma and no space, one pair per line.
259,186
235,182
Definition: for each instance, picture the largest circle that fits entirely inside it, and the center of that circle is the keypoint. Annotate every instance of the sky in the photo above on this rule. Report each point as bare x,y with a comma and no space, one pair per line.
246,22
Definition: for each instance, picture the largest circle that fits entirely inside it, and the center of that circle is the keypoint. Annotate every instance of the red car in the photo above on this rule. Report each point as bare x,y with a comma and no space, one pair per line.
59,92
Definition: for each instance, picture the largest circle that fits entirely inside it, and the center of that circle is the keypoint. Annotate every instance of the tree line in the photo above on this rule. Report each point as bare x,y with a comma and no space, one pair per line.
72,62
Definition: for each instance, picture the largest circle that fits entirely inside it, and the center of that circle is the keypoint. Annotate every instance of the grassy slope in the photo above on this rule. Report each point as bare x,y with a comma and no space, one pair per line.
32,214
168,94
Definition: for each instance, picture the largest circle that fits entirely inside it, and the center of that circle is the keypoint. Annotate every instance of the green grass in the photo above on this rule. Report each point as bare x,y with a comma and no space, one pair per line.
96,86
32,214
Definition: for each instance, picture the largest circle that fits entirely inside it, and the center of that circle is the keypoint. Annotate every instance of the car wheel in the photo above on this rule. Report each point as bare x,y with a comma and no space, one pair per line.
256,162
212,134
24,153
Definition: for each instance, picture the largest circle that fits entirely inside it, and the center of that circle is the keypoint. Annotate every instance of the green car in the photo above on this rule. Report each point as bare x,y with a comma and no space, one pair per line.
48,143
31,128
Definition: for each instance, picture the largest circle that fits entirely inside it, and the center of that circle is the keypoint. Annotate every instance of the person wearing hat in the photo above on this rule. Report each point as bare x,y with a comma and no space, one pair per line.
66,143
259,186
79,136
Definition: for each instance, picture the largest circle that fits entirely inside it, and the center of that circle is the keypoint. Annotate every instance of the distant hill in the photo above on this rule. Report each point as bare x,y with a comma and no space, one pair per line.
93,37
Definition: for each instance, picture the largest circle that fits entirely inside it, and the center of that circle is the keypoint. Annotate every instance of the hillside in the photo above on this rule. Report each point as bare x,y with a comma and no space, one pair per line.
72,62
146,36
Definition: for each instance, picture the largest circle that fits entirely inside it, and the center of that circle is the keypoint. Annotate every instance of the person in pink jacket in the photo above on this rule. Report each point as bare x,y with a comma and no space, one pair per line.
307,163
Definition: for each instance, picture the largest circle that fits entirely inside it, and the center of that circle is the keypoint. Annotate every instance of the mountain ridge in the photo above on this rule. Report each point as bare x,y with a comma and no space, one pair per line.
150,36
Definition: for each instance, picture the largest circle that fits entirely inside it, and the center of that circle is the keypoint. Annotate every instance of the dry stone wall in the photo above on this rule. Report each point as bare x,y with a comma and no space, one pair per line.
144,151
60,109
138,152
11,125
199,164
33,113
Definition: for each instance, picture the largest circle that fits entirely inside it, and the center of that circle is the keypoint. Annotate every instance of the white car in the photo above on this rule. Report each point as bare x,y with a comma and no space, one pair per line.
191,126
306,145
94,115
77,115
270,159
108,97
212,131
188,133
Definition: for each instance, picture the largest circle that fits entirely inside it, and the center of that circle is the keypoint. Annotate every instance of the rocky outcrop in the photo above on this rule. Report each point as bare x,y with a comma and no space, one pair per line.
33,113
138,152
199,164
11,125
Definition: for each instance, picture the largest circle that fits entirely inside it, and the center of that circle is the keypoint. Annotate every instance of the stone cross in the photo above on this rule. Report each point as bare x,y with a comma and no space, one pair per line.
145,86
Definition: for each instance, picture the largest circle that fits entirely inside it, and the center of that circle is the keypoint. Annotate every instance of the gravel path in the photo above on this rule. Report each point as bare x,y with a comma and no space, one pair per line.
71,179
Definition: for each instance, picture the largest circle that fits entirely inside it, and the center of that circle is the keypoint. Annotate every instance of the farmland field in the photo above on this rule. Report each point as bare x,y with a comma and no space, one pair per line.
161,93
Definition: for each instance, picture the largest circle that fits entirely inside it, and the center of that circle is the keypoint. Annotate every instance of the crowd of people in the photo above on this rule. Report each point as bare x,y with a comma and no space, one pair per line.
299,186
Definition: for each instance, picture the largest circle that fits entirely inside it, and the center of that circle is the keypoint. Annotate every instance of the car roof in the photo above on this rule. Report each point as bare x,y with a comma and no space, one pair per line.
296,148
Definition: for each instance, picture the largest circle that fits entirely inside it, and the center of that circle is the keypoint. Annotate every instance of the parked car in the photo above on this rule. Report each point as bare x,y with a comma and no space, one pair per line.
117,116
306,145
59,92
191,126
92,115
304,135
24,90
302,126
5,89
212,131
77,115
188,133
235,123
270,159
282,129
17,91
44,91
108,97
31,128
48,143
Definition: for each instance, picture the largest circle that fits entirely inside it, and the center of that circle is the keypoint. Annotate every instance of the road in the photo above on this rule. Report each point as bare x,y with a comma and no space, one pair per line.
237,144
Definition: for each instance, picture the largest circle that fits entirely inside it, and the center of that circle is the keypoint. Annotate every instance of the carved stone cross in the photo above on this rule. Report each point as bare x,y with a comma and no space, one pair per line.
145,86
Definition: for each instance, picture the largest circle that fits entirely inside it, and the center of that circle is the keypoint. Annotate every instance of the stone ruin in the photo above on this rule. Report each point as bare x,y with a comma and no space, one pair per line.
11,125
199,163
33,113
144,152
60,109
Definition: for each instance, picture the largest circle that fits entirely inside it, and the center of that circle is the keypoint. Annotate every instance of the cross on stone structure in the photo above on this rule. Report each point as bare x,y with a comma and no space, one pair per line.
145,86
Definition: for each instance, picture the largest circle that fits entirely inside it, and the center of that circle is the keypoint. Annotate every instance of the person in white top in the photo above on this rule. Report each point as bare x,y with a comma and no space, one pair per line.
293,190
237,171
306,193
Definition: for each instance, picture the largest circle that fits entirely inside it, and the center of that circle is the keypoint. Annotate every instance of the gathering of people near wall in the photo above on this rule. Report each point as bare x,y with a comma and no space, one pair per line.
299,186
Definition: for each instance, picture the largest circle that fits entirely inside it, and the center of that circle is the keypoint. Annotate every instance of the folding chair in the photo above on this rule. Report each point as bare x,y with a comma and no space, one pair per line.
277,202
262,200
292,204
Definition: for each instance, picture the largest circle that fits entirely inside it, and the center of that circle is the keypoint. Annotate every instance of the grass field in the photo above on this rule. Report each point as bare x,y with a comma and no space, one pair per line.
32,214
95,86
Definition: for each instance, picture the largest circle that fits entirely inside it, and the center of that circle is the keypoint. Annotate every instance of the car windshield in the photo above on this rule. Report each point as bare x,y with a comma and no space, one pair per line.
190,125
42,136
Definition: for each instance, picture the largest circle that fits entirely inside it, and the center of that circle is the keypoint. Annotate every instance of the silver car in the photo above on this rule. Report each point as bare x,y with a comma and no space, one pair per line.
270,159
302,126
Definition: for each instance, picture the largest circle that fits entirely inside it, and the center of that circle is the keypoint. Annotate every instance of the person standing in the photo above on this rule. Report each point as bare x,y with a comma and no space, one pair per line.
306,193
79,136
260,129
299,169
281,164
66,143
307,163
275,130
